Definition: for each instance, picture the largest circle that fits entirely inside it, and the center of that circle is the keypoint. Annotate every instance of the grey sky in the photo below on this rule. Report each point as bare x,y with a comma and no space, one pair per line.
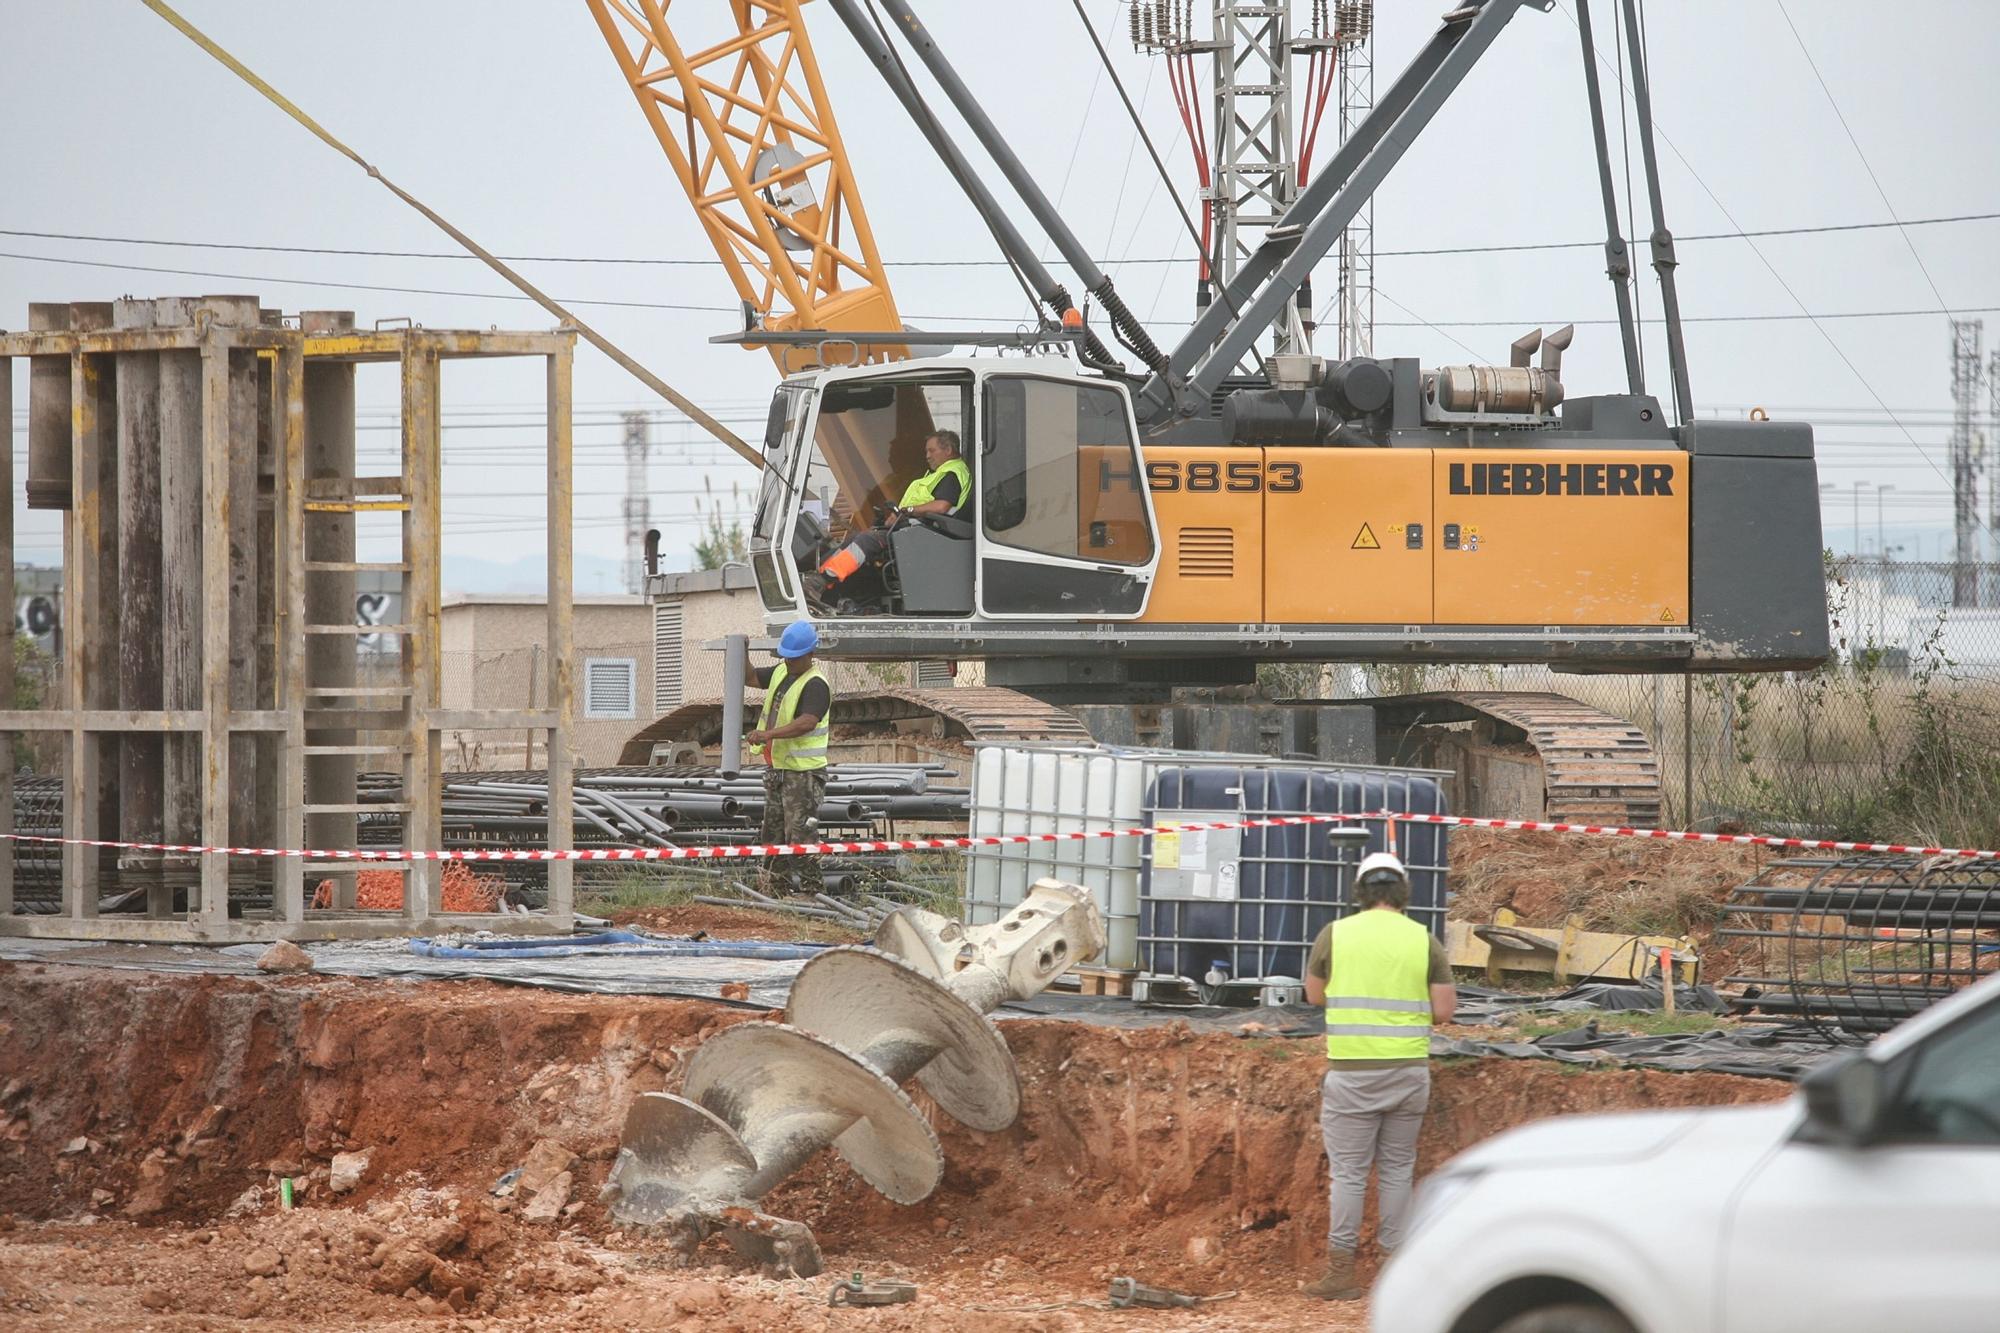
511,119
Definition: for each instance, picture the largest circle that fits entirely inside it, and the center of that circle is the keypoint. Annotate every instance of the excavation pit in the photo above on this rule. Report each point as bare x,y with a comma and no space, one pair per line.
146,1120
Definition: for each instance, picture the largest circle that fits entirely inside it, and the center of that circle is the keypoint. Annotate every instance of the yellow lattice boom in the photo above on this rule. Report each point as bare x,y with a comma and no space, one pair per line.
752,137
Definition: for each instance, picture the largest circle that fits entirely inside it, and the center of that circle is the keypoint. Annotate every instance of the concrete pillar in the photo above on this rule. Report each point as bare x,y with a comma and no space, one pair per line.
329,539
141,777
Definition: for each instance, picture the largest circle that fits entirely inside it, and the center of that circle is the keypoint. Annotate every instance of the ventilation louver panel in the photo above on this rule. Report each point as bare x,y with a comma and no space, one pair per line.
1207,553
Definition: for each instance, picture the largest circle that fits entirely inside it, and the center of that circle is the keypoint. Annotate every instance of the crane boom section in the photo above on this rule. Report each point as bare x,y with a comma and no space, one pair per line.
747,125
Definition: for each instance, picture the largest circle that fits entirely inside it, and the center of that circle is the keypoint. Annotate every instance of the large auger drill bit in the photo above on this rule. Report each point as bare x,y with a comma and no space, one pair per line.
759,1100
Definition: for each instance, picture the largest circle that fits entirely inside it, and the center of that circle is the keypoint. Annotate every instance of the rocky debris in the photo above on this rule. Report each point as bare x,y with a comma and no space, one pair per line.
151,1195
401,1268
544,1162
263,1262
546,1203
284,956
201,1128
346,1171
75,1146
735,990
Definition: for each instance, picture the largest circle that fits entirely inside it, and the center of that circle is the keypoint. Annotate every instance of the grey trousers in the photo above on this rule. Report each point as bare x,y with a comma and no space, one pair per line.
1371,1117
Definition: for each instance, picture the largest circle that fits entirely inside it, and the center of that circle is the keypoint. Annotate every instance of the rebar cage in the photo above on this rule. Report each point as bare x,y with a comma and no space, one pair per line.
1853,945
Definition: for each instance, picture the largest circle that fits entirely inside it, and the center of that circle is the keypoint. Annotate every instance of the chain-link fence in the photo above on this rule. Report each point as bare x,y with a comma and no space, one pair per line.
1898,734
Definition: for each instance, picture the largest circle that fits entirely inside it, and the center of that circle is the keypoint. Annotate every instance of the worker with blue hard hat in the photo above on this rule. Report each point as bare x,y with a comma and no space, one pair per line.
792,730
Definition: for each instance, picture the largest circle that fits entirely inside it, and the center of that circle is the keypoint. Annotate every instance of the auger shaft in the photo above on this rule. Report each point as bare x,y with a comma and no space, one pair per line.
759,1100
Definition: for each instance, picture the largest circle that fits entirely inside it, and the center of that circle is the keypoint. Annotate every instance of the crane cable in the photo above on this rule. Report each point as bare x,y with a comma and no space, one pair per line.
548,303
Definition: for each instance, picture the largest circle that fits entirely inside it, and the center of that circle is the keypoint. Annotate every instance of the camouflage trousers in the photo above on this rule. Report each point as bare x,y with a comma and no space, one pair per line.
791,800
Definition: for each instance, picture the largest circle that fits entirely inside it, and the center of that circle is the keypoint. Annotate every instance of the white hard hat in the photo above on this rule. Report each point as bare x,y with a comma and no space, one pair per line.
1376,862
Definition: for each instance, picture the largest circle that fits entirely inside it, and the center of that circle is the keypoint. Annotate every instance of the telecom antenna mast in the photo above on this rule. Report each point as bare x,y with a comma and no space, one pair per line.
1249,172
638,502
1966,371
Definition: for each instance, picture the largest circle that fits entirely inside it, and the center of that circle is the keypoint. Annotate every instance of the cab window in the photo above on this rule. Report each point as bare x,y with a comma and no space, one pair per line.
1060,471
1951,1090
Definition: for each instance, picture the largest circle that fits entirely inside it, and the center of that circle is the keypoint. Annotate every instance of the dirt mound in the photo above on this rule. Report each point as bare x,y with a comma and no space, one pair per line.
424,1252
1617,884
732,923
1191,1160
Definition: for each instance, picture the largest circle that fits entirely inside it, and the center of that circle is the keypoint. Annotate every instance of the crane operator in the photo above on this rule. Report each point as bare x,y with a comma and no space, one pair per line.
943,489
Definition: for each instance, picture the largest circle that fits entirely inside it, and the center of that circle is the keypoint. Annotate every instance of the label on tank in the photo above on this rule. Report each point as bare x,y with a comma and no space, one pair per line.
1198,863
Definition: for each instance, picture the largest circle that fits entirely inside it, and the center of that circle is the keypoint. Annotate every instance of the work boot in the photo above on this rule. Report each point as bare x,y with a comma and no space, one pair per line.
1338,1283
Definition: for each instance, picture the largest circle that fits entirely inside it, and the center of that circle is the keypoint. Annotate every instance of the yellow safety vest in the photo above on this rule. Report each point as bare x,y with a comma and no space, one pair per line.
920,491
1378,998
781,705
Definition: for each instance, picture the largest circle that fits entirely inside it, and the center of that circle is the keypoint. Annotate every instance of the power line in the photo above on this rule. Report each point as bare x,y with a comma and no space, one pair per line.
972,319
647,262
429,291
1804,315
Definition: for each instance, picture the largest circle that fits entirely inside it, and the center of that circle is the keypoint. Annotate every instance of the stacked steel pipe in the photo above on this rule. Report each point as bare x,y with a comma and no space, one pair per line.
614,807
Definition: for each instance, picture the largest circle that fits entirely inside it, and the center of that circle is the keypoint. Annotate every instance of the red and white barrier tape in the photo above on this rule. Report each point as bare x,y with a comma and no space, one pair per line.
397,854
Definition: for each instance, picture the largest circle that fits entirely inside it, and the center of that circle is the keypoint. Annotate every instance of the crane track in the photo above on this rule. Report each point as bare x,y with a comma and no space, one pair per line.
1597,768
965,714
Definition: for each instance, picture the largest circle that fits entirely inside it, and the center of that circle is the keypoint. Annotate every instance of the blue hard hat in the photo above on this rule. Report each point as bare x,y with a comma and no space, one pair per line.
799,639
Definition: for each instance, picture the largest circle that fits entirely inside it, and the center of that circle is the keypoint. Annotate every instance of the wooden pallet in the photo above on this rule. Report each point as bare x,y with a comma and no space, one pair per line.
1099,980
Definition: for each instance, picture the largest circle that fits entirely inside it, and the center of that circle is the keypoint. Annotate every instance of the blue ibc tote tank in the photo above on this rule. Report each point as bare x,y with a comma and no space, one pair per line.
1254,914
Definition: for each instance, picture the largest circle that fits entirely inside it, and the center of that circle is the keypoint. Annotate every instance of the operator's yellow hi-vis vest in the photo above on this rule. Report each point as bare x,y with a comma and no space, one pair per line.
1378,998
781,705
922,490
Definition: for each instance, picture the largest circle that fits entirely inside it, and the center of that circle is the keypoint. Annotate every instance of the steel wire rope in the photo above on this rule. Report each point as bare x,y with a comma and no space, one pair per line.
1125,172
1817,321
1104,59
1866,166
527,289
1027,288
1632,282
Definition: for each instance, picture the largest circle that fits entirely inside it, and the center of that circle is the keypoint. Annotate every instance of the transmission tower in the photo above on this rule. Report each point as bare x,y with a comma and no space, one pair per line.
1354,25
1967,372
1261,150
638,498
1988,462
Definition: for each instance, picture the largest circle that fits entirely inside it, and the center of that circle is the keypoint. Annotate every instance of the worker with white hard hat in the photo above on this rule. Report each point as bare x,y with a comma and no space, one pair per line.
1385,981
793,729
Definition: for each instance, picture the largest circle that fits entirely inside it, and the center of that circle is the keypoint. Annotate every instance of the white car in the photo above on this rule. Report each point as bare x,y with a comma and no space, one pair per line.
1868,1203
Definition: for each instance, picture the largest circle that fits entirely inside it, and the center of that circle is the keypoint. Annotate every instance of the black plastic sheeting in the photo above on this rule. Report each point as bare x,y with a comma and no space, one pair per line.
1756,1052
1762,1052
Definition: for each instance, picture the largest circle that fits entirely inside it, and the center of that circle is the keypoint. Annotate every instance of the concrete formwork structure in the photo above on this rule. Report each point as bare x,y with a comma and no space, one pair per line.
203,450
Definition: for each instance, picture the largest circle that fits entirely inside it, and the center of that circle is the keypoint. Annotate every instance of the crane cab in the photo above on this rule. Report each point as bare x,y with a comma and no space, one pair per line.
1058,523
